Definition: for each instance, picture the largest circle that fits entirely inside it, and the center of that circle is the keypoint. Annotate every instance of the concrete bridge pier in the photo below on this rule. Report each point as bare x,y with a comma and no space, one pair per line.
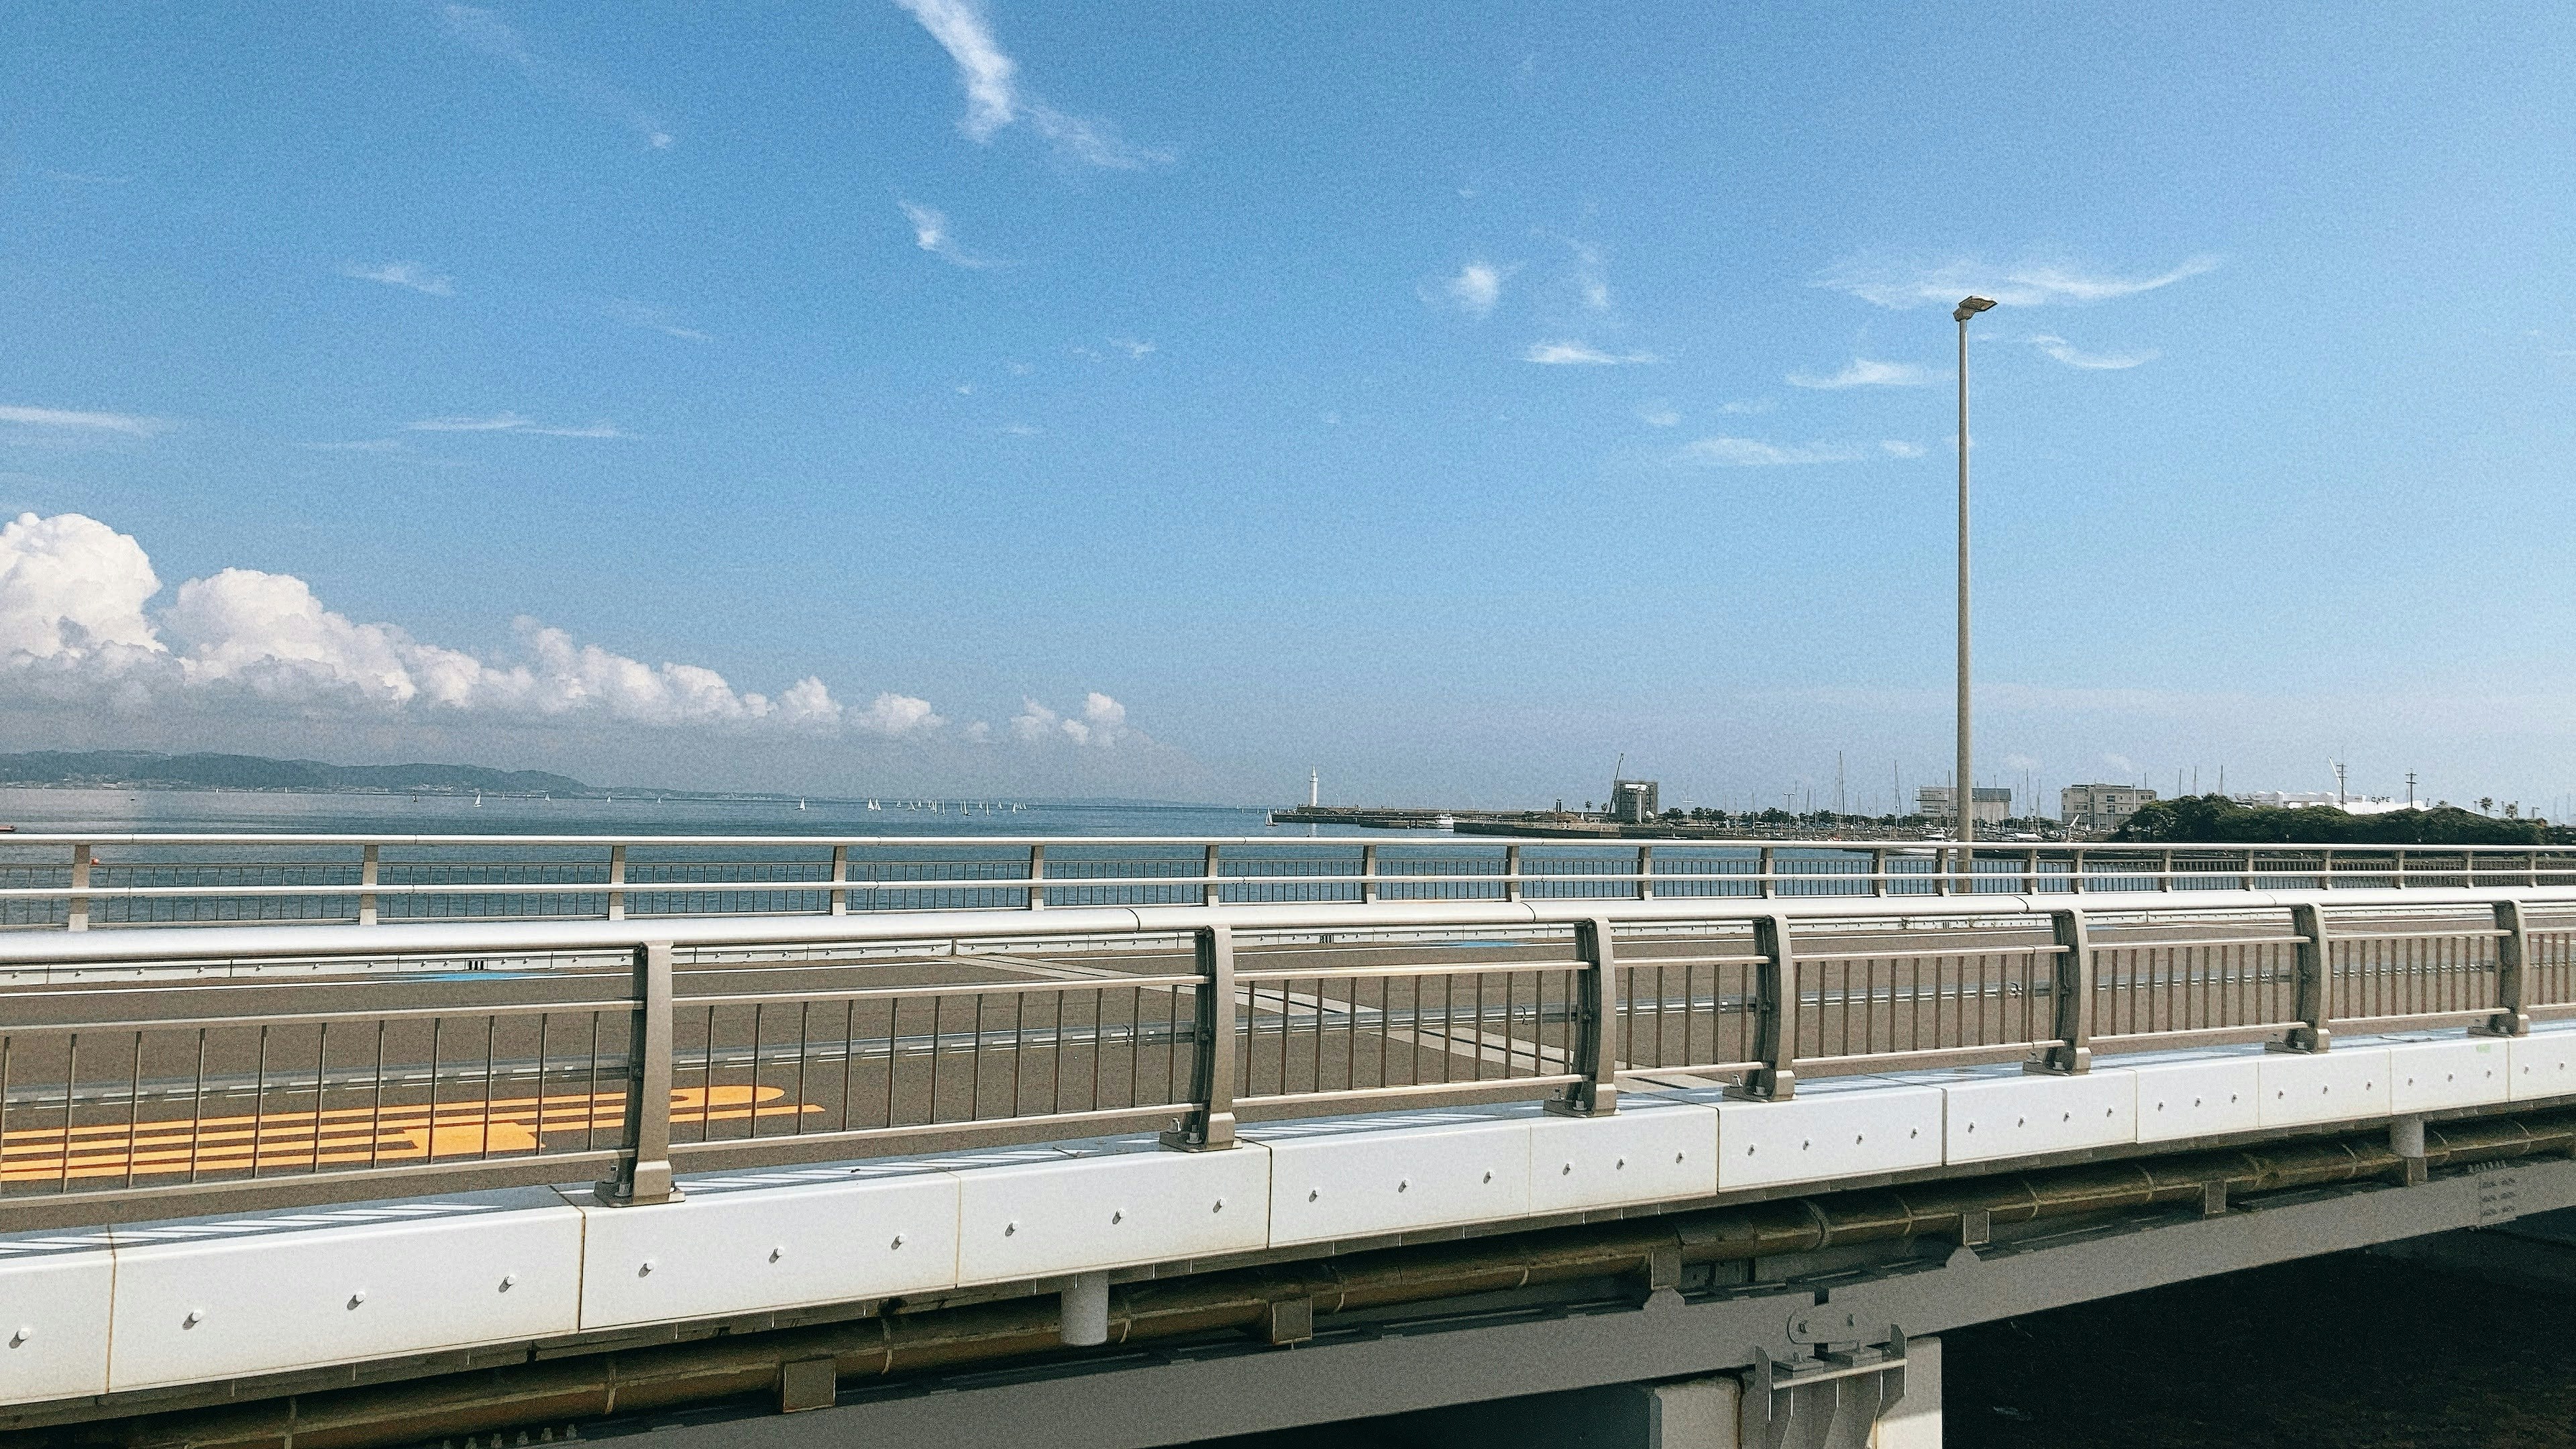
1869,1400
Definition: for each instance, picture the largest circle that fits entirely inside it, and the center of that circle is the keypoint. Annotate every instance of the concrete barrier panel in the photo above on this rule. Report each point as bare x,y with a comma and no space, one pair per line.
1997,1112
2345,1084
1647,1151
2541,1065
742,1245
2197,1096
1835,1128
227,1299
2431,1073
1115,1210
1378,1176
54,1304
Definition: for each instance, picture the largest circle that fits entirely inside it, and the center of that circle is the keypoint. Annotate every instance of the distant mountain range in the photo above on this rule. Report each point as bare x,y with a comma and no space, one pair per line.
143,769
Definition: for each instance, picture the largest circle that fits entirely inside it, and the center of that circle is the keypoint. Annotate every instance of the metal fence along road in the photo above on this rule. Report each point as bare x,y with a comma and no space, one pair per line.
81,881
167,1071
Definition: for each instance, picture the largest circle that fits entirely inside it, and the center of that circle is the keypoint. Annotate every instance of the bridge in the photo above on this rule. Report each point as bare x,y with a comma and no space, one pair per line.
485,1140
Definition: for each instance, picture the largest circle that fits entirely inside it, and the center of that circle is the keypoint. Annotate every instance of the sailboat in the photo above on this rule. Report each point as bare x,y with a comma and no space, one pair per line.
478,799
800,802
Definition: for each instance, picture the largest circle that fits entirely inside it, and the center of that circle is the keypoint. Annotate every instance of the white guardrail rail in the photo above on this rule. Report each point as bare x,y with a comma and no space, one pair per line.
807,1108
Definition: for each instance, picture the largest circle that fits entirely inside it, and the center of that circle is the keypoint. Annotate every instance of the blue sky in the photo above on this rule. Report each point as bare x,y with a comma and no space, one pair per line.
1446,401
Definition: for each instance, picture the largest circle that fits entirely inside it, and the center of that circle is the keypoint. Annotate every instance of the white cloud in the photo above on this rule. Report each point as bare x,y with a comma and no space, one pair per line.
654,319
511,423
1863,372
930,233
1476,288
1580,354
485,31
1656,415
889,714
2059,348
95,422
1900,449
1101,723
1726,452
995,98
1132,346
403,274
69,585
1744,407
2029,284
1588,282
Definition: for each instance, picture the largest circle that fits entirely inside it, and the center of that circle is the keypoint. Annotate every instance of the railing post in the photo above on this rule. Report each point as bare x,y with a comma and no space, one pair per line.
2030,872
2316,982
1511,872
1775,1021
1595,1024
1769,863
643,1173
76,910
1209,1126
2247,880
1212,892
1037,877
840,880
1942,871
1368,874
367,864
2072,991
2531,859
616,878
2513,952
2165,872
1645,872
2401,867
1877,873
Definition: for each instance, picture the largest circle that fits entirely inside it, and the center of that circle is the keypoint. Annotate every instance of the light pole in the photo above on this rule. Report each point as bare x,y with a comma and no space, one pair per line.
1964,797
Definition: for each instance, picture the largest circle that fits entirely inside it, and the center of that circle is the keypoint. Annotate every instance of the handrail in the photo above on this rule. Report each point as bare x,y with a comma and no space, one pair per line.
500,1077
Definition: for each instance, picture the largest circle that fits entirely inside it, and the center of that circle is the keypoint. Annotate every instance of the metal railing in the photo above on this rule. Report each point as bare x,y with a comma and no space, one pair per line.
436,1056
78,882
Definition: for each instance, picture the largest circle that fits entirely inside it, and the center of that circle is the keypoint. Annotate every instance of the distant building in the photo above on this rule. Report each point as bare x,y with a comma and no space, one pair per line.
1635,802
2302,799
1993,804
2101,807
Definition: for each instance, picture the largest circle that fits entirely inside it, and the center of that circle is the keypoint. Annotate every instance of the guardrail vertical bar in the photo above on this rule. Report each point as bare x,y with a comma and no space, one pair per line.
840,880
616,878
1511,872
2246,881
1209,1127
2030,872
1769,866
2316,982
1596,1025
1775,1019
76,910
1037,877
1942,871
1877,873
1645,872
1368,873
2072,990
1212,892
2165,872
643,1173
2513,951
2401,867
367,864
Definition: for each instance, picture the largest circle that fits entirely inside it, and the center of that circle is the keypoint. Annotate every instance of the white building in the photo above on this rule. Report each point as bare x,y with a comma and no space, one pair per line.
2101,807
1941,802
2302,799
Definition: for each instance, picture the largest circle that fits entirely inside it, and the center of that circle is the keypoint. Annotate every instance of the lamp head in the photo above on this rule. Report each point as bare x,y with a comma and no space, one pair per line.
1970,307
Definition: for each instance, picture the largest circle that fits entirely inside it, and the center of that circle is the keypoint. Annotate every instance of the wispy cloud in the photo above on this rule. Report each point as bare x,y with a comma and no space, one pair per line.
1132,346
995,98
1656,415
140,427
2059,348
403,274
512,423
930,233
1888,283
1724,452
1581,354
1863,372
653,319
1896,448
485,31
1588,281
1742,407
1477,286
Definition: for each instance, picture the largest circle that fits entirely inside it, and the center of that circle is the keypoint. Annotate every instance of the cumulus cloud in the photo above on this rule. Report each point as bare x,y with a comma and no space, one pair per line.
1580,354
1863,372
1724,452
930,233
1899,284
93,422
1101,723
2059,348
403,274
1476,288
996,99
76,627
